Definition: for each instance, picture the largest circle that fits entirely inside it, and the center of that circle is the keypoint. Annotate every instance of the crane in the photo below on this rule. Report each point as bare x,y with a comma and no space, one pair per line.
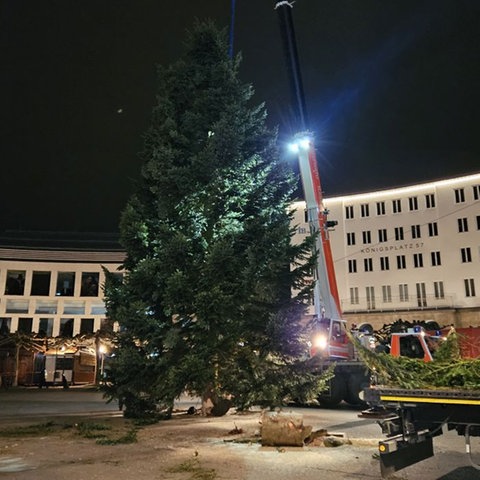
328,313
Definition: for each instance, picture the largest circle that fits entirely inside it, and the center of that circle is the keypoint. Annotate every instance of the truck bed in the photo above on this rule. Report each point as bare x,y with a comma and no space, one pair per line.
411,418
380,395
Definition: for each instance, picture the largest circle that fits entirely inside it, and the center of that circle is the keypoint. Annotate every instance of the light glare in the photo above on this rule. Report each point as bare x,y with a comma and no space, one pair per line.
294,147
305,143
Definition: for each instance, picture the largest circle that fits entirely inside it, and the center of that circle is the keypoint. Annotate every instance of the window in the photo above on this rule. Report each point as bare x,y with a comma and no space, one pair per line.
351,238
433,229
436,260
413,203
380,208
401,262
370,291
416,231
368,264
399,233
89,284
45,327
25,325
15,282
421,295
65,284
366,237
430,200
459,195
40,283
418,260
86,326
403,292
462,225
410,347
396,206
438,289
354,300
466,255
382,235
66,327
74,308
384,263
16,306
46,306
348,212
106,325
476,192
364,210
352,266
5,325
98,309
469,287
305,216
478,222
387,293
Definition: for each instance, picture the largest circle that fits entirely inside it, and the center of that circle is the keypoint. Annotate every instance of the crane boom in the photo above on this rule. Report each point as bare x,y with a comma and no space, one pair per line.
327,301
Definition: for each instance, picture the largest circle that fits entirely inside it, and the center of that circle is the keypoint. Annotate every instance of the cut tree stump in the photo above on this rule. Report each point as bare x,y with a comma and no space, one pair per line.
283,429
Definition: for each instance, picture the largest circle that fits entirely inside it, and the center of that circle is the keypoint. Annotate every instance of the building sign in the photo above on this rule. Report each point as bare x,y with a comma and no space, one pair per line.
392,248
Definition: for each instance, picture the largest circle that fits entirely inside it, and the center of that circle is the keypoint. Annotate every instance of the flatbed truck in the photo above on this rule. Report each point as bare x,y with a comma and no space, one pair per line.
411,418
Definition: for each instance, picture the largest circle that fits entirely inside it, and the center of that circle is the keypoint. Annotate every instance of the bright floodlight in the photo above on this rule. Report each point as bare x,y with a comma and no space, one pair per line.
294,147
300,144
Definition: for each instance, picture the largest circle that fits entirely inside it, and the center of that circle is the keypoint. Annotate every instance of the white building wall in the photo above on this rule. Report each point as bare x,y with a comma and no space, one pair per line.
409,210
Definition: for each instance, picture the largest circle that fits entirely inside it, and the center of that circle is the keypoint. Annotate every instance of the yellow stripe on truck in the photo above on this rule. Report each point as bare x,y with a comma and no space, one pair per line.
452,401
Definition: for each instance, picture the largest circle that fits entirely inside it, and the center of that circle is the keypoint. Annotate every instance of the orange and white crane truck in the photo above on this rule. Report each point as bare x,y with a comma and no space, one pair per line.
330,341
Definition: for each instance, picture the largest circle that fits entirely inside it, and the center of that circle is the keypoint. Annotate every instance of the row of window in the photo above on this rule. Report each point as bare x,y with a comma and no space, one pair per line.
413,203
44,327
399,232
52,307
401,261
420,295
41,283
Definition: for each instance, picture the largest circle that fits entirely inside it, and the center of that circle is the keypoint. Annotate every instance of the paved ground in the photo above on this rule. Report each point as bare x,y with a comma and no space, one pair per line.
21,403
163,447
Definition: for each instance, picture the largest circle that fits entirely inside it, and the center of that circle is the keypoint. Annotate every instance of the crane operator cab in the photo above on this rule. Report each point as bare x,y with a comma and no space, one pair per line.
329,339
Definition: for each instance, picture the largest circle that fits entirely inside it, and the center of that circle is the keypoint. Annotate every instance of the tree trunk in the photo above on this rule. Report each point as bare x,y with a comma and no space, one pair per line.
213,405
284,429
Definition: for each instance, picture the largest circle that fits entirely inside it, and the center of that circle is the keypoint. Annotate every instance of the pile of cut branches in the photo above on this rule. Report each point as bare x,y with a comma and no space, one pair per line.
447,370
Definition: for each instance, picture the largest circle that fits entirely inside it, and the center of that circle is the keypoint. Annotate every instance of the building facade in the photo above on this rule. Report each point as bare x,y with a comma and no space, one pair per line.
54,292
411,253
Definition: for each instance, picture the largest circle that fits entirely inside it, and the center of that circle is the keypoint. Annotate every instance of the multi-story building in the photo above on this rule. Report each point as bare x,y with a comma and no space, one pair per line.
410,252
54,291
49,289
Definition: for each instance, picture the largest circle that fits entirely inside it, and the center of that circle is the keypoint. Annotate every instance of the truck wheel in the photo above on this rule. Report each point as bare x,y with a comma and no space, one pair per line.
336,393
355,385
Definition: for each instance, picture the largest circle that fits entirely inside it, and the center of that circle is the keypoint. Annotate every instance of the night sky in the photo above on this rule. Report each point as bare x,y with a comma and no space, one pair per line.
392,92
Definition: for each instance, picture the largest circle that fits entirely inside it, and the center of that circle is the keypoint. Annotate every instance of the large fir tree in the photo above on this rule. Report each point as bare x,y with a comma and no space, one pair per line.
206,304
